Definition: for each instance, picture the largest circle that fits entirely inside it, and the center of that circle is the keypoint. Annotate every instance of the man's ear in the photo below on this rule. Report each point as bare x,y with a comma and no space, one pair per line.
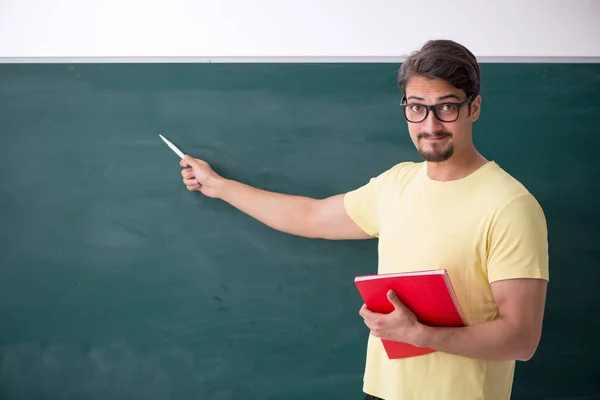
475,109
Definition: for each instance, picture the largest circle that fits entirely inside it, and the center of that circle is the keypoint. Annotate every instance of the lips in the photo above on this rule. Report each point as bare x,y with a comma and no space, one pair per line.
436,138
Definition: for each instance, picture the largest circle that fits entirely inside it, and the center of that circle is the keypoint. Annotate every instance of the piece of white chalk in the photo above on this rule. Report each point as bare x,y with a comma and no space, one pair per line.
172,146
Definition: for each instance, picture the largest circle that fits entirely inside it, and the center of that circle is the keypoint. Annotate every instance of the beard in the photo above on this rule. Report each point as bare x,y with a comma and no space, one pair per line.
437,153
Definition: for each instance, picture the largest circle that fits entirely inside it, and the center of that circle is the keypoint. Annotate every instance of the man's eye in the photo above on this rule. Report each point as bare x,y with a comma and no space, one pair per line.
448,107
416,108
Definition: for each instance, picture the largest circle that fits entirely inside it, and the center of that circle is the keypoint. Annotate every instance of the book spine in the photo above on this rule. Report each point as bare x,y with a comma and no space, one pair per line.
455,299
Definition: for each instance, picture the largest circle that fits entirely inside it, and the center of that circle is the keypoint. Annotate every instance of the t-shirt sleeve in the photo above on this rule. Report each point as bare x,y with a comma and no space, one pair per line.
518,241
362,204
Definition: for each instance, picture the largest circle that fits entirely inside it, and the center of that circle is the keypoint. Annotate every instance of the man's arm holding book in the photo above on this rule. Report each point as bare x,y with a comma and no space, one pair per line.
514,335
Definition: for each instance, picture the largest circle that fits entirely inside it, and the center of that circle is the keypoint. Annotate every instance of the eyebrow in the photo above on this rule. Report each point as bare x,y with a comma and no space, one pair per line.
447,96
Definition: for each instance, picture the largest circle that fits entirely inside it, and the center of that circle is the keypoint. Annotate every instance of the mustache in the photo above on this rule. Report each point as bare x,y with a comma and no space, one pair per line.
439,134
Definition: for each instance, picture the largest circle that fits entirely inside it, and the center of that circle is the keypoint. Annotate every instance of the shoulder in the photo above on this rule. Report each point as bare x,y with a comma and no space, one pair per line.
510,203
401,172
504,191
362,204
394,178
517,233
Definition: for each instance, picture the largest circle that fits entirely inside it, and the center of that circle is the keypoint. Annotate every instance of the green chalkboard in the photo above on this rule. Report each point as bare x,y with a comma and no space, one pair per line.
115,282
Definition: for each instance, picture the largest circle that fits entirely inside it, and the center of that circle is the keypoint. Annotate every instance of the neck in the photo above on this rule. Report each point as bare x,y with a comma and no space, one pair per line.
458,166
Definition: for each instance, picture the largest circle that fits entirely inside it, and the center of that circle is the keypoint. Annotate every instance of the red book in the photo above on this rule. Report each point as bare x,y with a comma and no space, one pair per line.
428,294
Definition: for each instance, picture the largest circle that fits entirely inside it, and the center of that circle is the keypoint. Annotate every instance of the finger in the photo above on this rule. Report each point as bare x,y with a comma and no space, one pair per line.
363,310
368,323
192,188
187,173
191,182
367,314
188,161
184,162
393,298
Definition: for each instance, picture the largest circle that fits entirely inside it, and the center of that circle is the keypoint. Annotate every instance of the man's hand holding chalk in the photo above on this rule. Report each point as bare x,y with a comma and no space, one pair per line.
198,175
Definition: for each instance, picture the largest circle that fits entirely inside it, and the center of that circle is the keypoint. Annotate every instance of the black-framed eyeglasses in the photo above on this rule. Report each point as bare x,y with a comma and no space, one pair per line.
445,112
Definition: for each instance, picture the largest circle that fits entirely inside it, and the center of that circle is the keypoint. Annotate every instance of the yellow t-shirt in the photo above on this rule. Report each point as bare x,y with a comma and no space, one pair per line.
482,228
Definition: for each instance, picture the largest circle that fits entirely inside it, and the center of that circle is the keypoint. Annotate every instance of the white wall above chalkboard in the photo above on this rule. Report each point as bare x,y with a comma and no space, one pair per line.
241,30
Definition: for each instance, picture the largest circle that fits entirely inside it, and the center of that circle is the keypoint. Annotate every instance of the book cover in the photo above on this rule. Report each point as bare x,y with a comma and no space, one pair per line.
428,294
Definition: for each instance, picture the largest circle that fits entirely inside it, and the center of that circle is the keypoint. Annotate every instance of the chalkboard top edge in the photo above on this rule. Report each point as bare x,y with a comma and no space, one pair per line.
280,59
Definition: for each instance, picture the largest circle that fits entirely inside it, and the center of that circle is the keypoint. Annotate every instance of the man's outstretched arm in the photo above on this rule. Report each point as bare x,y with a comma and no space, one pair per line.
296,215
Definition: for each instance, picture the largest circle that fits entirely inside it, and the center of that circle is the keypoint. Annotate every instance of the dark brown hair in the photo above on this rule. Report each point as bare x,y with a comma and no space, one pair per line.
446,60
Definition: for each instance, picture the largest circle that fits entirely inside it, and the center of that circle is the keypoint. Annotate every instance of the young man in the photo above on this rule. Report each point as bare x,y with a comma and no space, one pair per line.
456,210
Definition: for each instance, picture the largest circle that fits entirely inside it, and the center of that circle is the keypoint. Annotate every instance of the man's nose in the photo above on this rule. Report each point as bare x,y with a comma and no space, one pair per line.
432,124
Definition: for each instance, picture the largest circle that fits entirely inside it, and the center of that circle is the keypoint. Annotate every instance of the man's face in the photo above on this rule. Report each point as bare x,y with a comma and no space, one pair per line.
435,140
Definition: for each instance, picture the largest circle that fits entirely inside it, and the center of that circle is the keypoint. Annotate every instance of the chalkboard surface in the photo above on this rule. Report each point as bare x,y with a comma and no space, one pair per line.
115,282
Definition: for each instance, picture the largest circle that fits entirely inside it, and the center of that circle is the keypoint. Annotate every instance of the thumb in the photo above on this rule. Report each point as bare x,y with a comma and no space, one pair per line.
188,161
393,298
